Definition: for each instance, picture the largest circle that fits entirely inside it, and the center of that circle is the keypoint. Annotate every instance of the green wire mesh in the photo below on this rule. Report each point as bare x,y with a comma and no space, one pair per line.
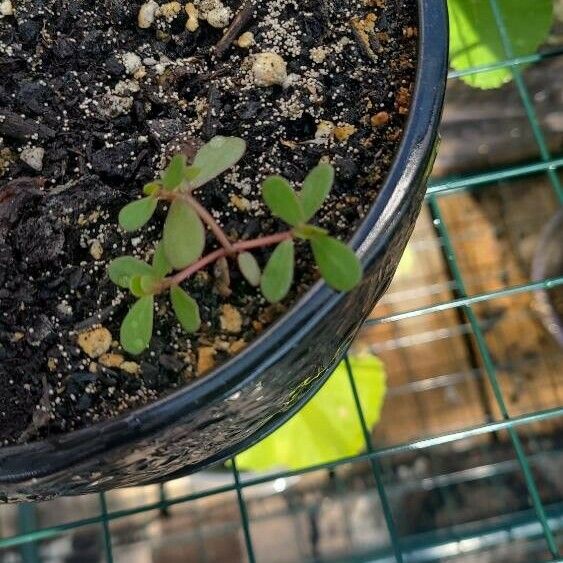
540,523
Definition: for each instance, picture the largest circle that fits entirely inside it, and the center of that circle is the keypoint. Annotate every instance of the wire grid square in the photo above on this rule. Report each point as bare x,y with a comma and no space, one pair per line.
458,300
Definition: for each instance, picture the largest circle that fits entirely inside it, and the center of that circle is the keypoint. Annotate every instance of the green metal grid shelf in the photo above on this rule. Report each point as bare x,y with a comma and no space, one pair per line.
540,523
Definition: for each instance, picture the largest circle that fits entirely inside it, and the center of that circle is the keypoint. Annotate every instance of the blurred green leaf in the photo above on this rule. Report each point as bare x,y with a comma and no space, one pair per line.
160,263
337,262
316,188
137,213
215,157
186,309
327,428
136,329
151,188
282,200
183,235
121,270
249,268
475,38
278,273
173,175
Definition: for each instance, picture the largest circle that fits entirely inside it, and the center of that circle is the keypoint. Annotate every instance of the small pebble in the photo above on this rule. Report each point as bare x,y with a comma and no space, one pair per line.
170,10
96,250
33,157
132,62
230,318
6,8
269,69
111,360
205,359
192,23
246,40
219,17
147,14
95,342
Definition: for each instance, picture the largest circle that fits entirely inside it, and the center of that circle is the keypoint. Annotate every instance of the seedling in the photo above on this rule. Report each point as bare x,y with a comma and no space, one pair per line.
180,252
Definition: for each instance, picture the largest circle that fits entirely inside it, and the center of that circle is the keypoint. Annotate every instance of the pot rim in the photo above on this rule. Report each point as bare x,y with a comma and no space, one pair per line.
37,459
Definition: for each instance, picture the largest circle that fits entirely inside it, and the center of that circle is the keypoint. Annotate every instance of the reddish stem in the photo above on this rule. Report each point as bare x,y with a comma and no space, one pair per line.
221,252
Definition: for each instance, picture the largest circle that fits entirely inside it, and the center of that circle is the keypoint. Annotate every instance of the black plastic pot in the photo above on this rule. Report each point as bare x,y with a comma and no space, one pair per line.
247,398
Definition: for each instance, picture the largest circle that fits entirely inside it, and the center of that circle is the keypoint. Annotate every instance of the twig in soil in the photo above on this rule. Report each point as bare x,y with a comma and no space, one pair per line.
362,39
239,22
15,126
213,110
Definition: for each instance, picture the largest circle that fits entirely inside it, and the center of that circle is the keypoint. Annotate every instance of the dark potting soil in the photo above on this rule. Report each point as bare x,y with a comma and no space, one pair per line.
91,107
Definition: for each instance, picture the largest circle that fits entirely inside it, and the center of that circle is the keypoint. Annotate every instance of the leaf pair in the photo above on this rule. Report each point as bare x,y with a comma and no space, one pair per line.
337,263
214,158
298,208
144,282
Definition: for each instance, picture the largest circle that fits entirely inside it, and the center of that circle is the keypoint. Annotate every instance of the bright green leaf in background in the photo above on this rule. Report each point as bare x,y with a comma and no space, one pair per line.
183,235
135,214
328,427
278,273
475,39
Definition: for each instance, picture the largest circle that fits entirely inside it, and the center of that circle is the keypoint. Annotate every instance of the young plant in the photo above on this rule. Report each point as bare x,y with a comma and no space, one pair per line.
179,254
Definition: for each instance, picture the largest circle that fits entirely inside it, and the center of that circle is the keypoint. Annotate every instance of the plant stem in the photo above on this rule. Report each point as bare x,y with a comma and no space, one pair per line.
222,252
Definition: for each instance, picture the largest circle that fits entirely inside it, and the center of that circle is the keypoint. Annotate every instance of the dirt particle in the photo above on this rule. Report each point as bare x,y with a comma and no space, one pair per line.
269,69
231,320
147,14
192,23
236,346
132,368
344,132
205,359
6,8
379,119
246,40
95,342
33,157
111,360
96,250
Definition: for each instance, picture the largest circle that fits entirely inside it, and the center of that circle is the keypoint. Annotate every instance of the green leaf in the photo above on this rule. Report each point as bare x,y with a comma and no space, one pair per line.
316,188
173,175
186,309
160,263
218,155
137,213
337,262
327,428
249,268
122,269
282,200
136,328
475,38
144,285
278,273
308,232
183,235
151,188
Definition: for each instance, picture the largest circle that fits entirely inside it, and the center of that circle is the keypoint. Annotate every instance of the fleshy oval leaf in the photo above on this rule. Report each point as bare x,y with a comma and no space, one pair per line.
316,188
282,200
183,235
136,328
215,157
249,268
186,309
173,174
122,269
160,264
137,213
278,273
337,262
